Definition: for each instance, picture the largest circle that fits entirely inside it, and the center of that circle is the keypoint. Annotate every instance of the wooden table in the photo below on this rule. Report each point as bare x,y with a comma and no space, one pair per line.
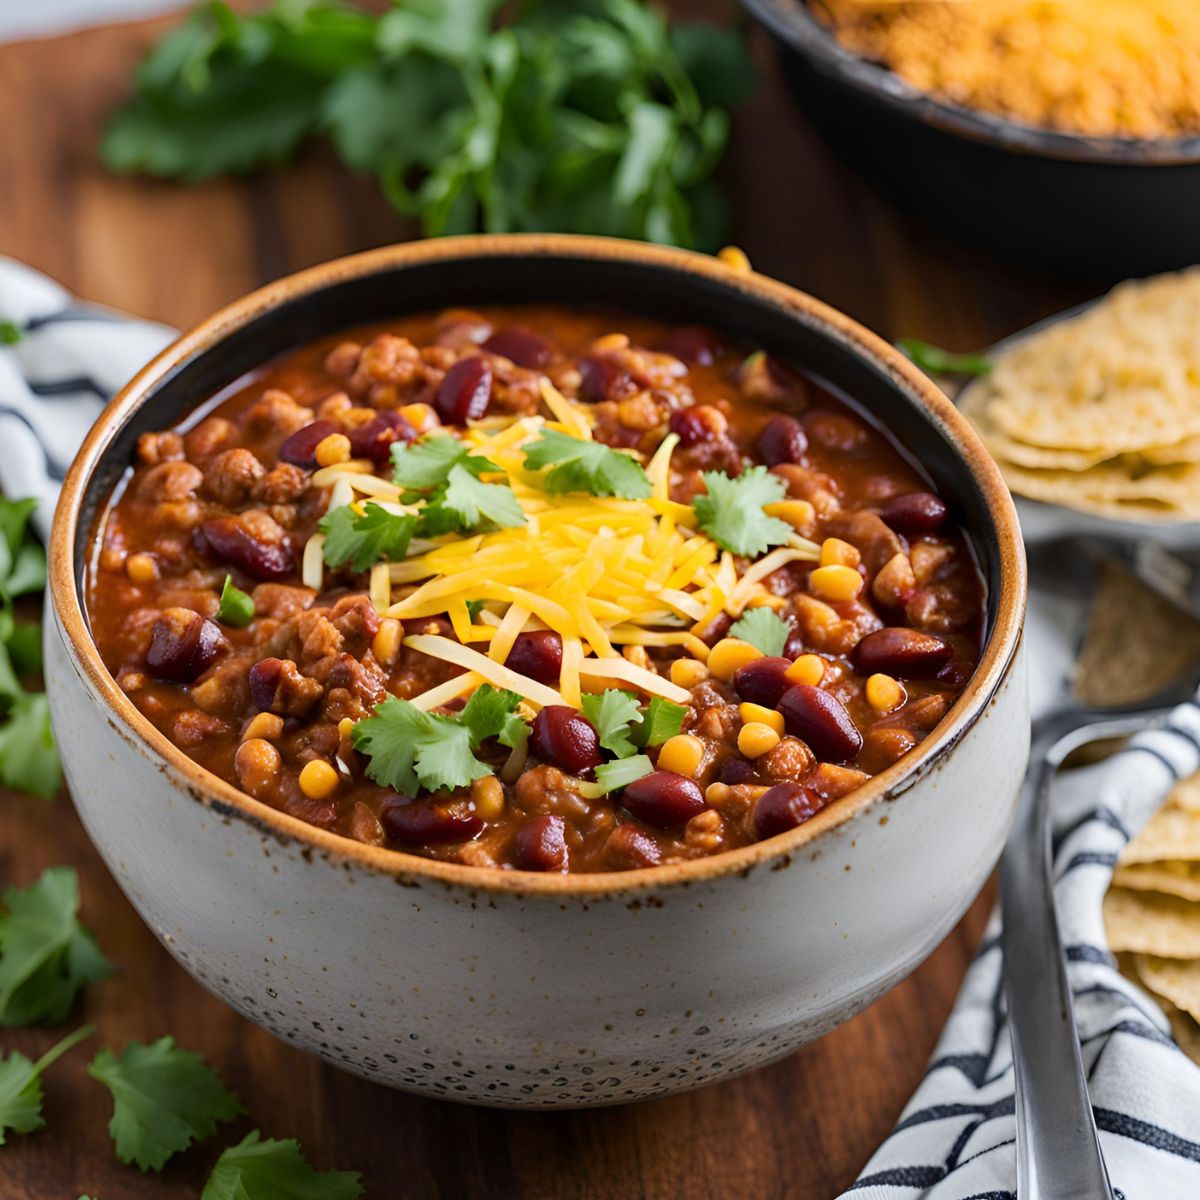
802,1127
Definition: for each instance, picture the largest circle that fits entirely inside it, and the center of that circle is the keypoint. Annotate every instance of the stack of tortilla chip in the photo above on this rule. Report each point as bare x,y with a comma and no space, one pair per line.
1152,911
1101,412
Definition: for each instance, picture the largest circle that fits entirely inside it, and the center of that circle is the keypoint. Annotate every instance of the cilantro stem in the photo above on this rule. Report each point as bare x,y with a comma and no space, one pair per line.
936,361
60,1048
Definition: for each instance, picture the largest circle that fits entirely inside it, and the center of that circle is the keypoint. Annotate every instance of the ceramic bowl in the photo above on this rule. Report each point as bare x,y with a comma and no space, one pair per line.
517,989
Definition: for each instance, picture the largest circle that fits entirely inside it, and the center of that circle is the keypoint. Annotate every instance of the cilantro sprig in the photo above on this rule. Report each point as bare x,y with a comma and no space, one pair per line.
164,1098
274,1170
763,629
584,116
621,772
410,749
21,1085
662,720
583,466
46,955
623,727
424,465
28,757
362,539
731,511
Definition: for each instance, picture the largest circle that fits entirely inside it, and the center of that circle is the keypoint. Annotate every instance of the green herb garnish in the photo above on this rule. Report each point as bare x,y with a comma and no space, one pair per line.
585,116
164,1098
427,464
236,607
731,512
46,955
362,539
473,502
410,749
612,714
763,629
21,1085
274,1170
936,361
444,472
10,333
662,720
591,467
621,772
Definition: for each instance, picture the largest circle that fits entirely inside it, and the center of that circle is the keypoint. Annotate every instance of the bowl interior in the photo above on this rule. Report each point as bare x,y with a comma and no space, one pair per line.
793,332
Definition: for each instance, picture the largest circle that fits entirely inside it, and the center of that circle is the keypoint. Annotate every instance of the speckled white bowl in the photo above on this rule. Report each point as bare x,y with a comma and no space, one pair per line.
516,989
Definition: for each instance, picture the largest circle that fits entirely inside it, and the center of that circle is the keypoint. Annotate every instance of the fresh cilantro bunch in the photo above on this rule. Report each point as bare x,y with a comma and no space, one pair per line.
584,116
410,749
624,729
46,955
28,758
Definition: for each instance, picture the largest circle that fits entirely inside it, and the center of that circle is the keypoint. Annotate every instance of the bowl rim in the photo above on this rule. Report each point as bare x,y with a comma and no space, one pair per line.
214,792
791,22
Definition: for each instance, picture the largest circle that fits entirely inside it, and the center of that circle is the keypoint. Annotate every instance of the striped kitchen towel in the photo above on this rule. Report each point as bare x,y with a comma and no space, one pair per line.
955,1139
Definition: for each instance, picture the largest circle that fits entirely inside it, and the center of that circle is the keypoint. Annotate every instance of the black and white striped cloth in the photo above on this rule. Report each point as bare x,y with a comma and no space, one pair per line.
955,1139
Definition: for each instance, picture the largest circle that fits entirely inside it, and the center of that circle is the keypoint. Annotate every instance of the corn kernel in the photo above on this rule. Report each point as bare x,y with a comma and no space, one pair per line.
332,450
487,794
318,780
687,672
263,725
756,713
636,655
386,643
757,739
358,415
764,599
346,728
141,568
716,793
799,514
728,655
808,668
735,257
420,416
885,694
681,754
836,553
835,583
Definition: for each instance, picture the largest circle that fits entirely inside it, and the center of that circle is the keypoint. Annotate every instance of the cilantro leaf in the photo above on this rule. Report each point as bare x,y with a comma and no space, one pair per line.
46,955
427,464
612,713
410,749
28,755
763,629
10,333
236,607
164,1098
363,539
22,560
473,502
732,511
274,1170
21,1085
583,466
662,721
612,776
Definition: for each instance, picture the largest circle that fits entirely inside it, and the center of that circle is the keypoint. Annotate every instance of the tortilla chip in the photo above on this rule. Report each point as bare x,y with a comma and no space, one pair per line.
1112,489
1167,878
1178,982
1151,923
1185,1031
1172,834
1186,794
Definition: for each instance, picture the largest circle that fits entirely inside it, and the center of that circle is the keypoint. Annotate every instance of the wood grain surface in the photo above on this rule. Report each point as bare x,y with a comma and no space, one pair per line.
800,1128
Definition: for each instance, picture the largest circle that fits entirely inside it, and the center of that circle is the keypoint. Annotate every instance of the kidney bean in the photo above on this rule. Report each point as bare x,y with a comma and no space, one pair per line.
762,681
698,424
183,645
420,824
835,431
956,673
300,449
374,439
914,513
904,653
541,844
264,680
601,378
794,646
628,848
737,770
664,799
565,738
785,806
465,392
782,440
538,655
822,721
230,540
692,343
520,345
